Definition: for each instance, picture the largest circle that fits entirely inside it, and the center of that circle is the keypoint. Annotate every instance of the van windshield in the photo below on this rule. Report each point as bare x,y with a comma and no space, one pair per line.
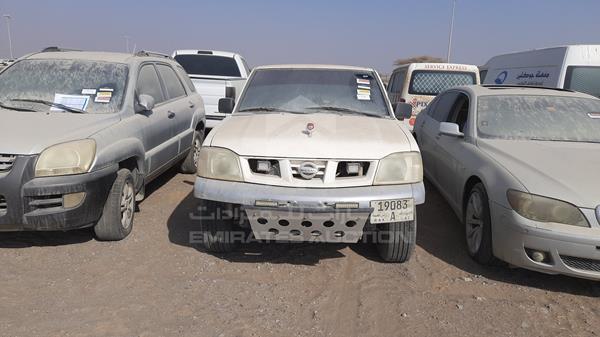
583,79
431,83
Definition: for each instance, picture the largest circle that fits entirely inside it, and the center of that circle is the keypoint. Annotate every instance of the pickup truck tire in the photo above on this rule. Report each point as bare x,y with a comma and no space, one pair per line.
190,163
399,240
116,221
216,232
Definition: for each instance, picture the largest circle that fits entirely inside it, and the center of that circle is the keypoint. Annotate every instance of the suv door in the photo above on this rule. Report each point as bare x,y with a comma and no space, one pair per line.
157,125
180,107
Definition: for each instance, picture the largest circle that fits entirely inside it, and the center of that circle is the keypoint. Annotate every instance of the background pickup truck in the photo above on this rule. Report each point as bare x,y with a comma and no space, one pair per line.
215,75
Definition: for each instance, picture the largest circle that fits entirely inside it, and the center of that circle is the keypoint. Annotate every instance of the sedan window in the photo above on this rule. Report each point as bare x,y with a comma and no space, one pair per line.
444,106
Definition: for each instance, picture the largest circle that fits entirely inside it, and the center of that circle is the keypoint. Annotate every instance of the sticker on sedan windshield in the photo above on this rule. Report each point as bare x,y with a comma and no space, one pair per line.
363,97
71,101
103,97
363,92
363,81
88,92
594,115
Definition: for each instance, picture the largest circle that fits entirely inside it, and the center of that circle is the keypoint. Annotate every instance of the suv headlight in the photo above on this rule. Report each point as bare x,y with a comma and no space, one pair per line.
66,158
219,163
400,168
542,209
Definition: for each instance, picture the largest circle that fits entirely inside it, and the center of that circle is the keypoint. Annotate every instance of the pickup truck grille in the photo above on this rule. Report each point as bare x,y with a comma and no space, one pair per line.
6,162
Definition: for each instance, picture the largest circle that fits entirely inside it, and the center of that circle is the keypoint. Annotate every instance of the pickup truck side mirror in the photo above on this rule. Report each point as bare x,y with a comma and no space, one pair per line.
145,103
403,111
226,105
450,129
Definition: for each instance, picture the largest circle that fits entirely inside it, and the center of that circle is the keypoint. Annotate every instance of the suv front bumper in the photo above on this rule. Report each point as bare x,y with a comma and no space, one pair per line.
302,214
37,203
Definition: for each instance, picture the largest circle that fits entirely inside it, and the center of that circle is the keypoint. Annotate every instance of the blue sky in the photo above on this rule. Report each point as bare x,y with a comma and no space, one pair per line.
367,33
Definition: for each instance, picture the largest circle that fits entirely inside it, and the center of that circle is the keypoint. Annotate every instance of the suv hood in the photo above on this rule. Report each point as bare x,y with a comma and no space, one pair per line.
28,133
560,170
334,136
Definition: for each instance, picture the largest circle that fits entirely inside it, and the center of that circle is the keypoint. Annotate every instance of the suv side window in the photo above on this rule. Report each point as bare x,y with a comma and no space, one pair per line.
444,106
186,78
171,81
460,112
149,84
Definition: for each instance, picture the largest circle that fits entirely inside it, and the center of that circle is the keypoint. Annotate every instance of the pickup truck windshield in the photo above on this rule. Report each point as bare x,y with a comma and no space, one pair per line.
209,65
314,91
79,85
545,118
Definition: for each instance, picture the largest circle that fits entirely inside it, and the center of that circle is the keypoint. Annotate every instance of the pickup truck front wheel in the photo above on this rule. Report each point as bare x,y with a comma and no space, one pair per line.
117,217
397,240
190,163
217,227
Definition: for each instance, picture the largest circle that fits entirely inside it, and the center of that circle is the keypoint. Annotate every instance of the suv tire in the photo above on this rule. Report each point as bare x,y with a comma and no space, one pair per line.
116,221
190,163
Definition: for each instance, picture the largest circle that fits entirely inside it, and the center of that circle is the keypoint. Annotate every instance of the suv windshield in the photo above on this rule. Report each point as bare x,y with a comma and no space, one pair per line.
431,83
548,118
314,91
45,85
209,65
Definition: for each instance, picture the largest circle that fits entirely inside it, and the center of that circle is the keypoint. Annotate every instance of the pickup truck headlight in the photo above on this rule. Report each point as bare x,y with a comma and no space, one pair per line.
400,168
542,209
66,158
219,163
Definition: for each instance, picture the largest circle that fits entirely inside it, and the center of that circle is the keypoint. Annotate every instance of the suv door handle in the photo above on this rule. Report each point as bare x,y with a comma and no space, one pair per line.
192,105
171,114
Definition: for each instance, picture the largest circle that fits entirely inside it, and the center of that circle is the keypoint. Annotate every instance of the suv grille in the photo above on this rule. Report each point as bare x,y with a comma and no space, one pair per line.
3,206
6,162
581,263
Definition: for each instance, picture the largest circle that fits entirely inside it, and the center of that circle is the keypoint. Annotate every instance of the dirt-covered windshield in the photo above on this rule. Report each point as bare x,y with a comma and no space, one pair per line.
314,91
549,118
45,85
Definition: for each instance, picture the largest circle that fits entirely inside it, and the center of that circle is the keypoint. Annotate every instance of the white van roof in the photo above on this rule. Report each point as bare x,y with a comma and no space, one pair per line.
576,54
439,66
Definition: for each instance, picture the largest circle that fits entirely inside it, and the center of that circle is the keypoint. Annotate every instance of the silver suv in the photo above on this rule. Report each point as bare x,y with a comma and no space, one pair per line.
84,132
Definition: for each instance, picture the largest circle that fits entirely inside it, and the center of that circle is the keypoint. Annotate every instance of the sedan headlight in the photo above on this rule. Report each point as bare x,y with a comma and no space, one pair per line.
400,168
542,209
66,158
219,163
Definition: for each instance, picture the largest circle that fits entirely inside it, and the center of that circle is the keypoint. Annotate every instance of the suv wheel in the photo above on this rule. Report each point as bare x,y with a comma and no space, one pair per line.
117,217
190,163
396,241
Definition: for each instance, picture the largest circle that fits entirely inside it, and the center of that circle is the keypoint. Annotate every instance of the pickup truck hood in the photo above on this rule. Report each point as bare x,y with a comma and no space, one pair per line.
334,136
31,132
560,170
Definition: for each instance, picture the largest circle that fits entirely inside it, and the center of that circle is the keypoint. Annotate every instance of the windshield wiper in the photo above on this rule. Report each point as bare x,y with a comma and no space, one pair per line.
48,103
564,140
4,106
269,109
344,110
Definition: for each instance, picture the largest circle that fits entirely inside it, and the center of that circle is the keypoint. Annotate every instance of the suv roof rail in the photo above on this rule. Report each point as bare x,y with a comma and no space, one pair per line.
56,49
500,86
151,53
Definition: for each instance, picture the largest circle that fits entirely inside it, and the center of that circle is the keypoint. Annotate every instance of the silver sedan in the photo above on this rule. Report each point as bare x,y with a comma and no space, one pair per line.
520,167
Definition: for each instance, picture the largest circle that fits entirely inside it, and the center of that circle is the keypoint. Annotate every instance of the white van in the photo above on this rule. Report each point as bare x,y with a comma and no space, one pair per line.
418,83
574,67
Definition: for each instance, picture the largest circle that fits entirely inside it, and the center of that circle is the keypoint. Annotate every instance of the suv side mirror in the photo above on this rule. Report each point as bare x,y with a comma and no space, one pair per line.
145,102
403,111
226,105
450,129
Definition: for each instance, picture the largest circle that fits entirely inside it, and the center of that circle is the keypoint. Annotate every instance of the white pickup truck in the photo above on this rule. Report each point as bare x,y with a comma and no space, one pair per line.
215,74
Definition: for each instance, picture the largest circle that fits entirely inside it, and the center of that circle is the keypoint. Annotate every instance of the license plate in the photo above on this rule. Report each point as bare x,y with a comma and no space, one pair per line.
396,210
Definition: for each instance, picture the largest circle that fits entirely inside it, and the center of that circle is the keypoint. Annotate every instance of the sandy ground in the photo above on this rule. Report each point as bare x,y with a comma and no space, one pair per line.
155,284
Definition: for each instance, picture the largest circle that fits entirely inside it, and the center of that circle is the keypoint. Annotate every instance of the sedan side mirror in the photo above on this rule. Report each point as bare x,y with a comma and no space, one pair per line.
226,105
145,103
403,111
450,129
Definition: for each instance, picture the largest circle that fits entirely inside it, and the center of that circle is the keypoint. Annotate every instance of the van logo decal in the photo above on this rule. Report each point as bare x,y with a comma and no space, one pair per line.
501,77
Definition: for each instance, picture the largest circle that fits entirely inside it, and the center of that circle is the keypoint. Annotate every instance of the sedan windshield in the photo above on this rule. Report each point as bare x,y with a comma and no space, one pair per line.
545,118
314,91
64,86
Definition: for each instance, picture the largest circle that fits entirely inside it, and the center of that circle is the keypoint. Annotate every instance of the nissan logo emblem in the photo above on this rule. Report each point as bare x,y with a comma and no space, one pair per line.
308,170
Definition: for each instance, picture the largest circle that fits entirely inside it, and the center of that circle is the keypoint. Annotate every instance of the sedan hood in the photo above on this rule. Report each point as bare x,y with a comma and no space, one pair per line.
560,170
31,132
334,136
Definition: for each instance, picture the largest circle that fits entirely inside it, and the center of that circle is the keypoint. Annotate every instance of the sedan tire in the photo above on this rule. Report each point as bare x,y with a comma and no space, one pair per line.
478,226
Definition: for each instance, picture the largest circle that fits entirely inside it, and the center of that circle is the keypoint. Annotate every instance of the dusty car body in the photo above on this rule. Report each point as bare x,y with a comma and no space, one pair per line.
83,132
518,166
312,153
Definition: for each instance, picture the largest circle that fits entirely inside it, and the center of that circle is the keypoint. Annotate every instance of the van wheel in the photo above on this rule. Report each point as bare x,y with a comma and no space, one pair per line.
116,221
396,241
190,163
478,226
216,232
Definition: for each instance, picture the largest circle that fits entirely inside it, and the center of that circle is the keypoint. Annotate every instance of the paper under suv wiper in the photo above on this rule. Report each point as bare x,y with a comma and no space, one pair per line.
346,110
48,103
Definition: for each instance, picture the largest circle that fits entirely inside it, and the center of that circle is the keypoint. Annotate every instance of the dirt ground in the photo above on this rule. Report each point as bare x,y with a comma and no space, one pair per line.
155,284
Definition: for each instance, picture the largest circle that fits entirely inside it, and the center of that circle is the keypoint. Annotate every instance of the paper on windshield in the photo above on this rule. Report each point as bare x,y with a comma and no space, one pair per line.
72,101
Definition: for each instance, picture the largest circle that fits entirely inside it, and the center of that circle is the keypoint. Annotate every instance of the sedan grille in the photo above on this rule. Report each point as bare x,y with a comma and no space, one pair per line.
6,162
3,206
581,263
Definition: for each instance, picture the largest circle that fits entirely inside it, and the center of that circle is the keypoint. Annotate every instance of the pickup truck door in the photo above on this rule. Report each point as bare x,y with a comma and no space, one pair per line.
180,107
157,125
